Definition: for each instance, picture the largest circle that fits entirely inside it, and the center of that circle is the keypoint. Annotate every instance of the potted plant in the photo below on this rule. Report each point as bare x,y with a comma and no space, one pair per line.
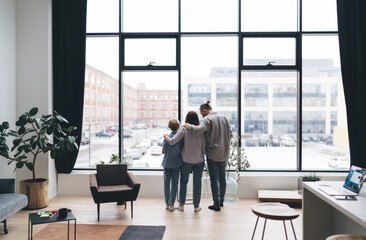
33,138
311,177
237,160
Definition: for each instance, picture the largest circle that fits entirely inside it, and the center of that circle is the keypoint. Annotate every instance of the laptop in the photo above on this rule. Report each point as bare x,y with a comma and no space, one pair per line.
351,187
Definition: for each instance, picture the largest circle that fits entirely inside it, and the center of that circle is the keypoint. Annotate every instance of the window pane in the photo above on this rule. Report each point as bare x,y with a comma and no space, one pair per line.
102,16
324,124
269,119
150,100
149,15
261,51
158,52
209,72
268,15
209,16
319,15
99,138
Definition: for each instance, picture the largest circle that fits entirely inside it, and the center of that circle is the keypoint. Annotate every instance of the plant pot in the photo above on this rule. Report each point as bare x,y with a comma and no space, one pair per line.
299,183
37,192
231,193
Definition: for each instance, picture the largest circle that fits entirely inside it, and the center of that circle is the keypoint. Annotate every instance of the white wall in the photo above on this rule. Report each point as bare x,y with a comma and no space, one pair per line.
34,72
77,183
7,73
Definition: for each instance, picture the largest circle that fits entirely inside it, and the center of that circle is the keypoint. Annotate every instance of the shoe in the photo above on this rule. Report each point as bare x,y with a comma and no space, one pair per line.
171,208
221,204
197,209
212,207
166,207
180,208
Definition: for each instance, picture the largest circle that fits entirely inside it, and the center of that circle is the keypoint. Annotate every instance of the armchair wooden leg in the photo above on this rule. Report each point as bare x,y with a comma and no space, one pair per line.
5,229
131,209
98,209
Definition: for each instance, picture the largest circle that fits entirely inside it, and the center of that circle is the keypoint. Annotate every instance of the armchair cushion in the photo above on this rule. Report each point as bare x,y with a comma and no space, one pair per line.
116,188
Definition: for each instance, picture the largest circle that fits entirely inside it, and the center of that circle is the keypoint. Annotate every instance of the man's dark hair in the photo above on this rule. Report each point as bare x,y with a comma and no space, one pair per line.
205,106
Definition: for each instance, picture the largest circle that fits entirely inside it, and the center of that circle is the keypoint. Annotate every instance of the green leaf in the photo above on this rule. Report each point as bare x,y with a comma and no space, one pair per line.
17,141
2,140
33,111
41,143
19,164
21,130
61,118
29,166
13,133
37,122
5,125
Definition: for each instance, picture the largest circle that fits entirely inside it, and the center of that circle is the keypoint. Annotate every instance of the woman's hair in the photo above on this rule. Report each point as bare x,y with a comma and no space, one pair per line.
174,124
192,118
205,106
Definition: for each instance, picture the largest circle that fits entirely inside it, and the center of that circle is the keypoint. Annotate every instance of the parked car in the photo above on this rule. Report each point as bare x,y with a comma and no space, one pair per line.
140,164
305,139
329,141
339,162
142,148
275,142
111,131
156,150
103,134
146,143
155,137
135,153
288,142
84,141
252,142
161,141
127,133
263,142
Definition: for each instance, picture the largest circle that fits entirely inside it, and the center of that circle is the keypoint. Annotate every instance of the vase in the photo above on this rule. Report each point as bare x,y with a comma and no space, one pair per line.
231,193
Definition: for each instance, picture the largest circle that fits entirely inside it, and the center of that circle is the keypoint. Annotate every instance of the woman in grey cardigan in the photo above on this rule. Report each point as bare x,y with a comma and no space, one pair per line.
193,160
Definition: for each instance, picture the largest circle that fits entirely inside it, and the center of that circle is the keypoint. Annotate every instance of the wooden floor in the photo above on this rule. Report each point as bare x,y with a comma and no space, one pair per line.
235,221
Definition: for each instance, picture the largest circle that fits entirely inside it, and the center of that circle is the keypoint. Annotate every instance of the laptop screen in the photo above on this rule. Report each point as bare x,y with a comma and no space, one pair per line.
355,179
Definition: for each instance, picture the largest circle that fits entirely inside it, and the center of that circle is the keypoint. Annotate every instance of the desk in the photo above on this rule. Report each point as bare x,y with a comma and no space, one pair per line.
323,215
34,219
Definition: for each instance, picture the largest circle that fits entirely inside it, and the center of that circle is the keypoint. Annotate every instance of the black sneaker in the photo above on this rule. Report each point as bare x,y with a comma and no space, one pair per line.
212,207
221,204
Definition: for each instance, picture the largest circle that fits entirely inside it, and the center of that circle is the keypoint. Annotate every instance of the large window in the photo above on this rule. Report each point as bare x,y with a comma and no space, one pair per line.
271,67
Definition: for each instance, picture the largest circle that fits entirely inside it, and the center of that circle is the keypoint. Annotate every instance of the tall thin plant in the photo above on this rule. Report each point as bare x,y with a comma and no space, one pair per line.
238,159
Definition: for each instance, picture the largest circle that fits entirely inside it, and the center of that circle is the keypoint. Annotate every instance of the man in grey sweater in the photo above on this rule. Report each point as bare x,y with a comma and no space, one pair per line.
218,134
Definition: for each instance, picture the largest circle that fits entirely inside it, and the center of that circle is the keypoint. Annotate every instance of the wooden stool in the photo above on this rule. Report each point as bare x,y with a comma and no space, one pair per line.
346,237
274,211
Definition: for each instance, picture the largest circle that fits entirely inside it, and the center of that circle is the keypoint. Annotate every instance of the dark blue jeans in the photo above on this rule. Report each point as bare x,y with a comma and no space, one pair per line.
217,171
186,169
171,177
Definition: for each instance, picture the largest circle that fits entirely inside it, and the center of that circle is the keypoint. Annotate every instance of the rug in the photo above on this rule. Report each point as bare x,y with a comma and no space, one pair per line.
136,232
58,231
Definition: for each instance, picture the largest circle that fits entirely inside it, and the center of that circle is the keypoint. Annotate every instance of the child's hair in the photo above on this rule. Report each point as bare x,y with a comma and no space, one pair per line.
174,124
192,118
205,106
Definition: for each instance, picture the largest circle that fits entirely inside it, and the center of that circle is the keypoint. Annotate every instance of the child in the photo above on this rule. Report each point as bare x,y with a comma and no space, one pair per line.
172,161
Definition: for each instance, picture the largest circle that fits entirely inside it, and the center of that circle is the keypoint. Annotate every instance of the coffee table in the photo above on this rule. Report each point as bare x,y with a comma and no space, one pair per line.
34,219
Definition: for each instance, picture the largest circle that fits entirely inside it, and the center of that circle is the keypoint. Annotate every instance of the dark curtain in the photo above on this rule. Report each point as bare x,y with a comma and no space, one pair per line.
352,44
68,40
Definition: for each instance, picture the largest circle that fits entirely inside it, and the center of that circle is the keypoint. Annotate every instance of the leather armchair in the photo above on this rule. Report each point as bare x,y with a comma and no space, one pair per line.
113,183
